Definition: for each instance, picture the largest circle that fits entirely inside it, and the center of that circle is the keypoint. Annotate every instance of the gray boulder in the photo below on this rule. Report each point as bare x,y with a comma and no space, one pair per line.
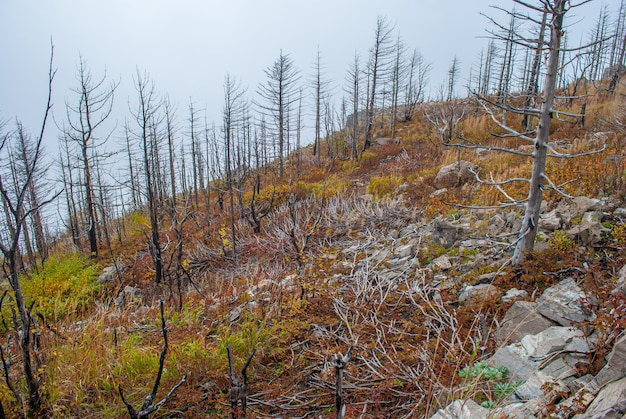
513,294
615,368
515,358
520,320
588,233
562,303
107,275
442,263
462,409
551,340
610,403
576,208
549,221
455,174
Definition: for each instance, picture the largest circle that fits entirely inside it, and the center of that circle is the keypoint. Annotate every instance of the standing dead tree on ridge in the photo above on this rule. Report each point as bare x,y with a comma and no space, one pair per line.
537,135
277,98
378,68
147,119
93,106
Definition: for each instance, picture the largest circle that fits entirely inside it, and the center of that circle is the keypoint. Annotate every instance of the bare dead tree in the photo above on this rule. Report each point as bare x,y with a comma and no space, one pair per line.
320,90
539,135
94,103
340,363
533,76
24,150
619,71
16,200
397,75
195,149
148,407
449,112
378,67
238,387
232,117
352,90
146,118
416,81
277,99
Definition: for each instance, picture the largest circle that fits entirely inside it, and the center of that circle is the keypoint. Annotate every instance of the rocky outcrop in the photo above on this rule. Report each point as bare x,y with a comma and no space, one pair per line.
542,349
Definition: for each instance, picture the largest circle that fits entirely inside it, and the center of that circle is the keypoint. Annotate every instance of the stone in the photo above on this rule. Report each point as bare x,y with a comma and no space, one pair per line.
486,278
559,369
562,303
620,284
455,174
517,410
497,223
610,403
534,388
446,234
380,256
107,275
473,294
515,358
576,208
520,320
615,368
549,221
514,294
462,409
551,340
438,192
588,233
592,217
582,204
404,251
442,263
381,141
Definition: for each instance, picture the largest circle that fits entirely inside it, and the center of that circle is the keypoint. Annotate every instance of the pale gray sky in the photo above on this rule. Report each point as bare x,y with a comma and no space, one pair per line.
188,46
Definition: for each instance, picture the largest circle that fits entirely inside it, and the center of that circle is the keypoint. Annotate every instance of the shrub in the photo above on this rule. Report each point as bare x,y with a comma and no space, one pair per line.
66,285
488,384
380,187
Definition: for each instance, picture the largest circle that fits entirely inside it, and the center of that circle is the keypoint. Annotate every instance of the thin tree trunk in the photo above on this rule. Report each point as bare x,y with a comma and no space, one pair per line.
528,230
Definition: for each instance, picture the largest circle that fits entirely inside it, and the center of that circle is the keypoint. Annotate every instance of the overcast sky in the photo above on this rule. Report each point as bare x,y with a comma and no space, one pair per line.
187,46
